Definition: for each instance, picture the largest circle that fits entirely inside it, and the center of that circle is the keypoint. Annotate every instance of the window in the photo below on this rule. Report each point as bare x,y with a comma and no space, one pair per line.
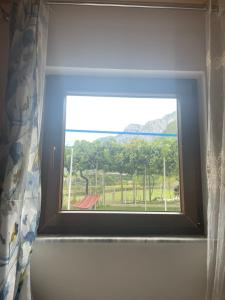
121,156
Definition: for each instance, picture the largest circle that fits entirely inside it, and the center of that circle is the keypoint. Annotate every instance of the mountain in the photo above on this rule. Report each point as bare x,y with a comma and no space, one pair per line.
171,127
167,124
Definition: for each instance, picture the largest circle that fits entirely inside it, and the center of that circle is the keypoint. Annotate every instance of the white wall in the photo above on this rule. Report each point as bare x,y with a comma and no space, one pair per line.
119,271
122,38
89,37
127,38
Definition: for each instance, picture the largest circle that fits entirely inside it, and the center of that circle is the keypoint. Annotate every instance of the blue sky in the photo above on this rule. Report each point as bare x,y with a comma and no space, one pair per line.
111,113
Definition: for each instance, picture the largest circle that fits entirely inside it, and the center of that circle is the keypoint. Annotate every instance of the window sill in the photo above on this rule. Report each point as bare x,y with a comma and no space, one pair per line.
143,240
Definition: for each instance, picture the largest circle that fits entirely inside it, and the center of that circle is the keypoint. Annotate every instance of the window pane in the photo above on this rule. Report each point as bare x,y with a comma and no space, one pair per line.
121,154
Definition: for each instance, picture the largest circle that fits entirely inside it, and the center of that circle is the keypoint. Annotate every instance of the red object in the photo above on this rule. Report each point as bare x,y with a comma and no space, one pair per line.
87,202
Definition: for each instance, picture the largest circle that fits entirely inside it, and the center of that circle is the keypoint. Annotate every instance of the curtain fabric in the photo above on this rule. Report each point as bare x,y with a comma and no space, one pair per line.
216,153
19,146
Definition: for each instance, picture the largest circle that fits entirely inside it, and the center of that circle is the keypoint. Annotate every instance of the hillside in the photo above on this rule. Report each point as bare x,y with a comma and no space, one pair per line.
167,124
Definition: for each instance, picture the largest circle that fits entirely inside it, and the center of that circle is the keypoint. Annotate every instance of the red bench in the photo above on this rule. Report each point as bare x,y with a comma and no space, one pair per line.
87,202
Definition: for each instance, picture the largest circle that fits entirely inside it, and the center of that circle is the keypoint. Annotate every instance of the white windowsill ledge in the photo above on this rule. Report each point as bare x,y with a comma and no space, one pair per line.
86,239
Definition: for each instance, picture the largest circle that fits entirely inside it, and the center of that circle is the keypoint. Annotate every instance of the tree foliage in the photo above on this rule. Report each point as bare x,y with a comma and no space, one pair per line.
128,158
111,156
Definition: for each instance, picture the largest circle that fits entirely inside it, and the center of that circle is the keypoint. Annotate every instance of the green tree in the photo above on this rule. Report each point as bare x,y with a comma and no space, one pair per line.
82,160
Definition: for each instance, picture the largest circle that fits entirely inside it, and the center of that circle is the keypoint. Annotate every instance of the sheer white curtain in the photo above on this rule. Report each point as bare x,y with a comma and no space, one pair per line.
216,152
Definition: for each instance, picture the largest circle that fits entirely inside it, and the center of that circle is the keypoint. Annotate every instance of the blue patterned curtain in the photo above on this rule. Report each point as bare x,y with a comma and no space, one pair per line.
20,147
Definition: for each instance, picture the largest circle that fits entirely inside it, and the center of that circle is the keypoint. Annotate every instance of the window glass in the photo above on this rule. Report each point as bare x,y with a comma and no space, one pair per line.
121,154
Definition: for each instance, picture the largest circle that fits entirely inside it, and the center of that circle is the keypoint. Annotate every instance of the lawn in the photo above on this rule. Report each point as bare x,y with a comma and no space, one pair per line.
112,200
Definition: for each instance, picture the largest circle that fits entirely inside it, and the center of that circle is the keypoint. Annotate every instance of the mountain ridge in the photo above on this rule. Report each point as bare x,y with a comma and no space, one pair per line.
165,124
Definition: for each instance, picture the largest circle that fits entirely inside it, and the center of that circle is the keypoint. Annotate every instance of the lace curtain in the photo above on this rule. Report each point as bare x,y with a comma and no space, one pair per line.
19,147
216,152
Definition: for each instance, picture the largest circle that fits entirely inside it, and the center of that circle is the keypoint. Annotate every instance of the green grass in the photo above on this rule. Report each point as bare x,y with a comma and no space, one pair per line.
153,207
115,197
172,207
112,200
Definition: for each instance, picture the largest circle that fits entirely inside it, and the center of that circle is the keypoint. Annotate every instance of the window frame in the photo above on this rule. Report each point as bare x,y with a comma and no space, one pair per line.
104,223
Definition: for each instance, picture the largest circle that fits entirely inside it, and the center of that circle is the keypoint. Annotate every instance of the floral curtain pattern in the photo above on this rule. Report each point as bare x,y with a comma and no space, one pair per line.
19,146
216,152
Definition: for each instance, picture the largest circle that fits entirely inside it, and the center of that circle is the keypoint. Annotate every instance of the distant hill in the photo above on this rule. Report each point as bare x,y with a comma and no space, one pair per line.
171,127
167,124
